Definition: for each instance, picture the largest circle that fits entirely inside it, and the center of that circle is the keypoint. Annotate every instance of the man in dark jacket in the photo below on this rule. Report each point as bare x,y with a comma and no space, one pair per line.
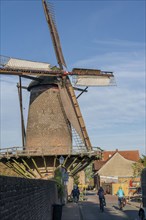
101,196
75,194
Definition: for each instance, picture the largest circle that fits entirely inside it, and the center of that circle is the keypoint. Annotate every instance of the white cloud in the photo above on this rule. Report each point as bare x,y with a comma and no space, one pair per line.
116,61
113,105
120,43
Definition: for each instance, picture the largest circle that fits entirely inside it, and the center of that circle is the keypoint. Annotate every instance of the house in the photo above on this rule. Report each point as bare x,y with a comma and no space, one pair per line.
115,168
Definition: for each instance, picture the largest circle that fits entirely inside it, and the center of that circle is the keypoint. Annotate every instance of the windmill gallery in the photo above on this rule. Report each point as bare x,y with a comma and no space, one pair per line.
55,126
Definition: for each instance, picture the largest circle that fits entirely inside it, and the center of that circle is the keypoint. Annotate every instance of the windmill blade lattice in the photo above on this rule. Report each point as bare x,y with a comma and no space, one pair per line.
54,33
78,144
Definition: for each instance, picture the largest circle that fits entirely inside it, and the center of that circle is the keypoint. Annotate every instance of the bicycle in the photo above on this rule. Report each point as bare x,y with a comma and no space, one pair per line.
75,199
102,204
122,202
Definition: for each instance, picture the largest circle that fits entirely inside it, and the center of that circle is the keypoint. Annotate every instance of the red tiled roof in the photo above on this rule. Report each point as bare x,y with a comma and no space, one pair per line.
129,155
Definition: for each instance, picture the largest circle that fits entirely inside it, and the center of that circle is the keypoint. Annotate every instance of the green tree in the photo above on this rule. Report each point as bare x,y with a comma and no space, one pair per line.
143,160
58,179
76,179
89,174
138,166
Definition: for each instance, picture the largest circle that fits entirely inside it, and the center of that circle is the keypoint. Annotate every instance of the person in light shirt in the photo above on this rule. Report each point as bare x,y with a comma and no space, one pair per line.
120,195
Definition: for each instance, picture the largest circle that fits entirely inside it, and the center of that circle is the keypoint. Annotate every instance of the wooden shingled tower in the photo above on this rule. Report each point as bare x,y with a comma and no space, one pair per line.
55,122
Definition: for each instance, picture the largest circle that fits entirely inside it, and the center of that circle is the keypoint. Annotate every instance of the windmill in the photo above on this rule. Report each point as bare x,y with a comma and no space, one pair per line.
54,116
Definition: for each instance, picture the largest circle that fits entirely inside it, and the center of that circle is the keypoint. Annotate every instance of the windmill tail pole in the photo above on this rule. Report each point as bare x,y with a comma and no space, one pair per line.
19,86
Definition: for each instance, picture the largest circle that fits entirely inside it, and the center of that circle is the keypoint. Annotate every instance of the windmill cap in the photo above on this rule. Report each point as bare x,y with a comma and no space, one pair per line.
44,80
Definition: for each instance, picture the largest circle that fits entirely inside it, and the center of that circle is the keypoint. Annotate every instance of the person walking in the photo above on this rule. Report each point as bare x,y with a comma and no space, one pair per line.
75,194
101,196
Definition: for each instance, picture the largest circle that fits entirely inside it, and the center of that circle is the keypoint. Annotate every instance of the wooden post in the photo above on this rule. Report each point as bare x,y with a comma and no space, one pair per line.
37,169
19,86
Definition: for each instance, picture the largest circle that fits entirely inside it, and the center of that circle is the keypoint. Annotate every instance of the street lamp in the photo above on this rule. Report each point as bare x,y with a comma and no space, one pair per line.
61,160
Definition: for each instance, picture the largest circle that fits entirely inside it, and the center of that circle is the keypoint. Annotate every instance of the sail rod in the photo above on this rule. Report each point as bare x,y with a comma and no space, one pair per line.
85,90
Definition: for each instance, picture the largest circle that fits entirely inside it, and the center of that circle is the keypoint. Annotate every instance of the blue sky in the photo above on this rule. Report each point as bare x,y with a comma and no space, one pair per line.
107,35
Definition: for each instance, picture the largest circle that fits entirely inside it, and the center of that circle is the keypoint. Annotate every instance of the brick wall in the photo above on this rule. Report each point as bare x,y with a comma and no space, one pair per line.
47,123
26,199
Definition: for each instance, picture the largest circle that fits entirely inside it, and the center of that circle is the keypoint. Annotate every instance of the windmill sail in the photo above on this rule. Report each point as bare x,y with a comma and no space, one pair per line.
8,62
92,77
25,68
54,34
79,116
69,110
93,81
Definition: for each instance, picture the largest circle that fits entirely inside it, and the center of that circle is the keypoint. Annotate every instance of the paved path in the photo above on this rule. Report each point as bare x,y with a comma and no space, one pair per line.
89,210
71,211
